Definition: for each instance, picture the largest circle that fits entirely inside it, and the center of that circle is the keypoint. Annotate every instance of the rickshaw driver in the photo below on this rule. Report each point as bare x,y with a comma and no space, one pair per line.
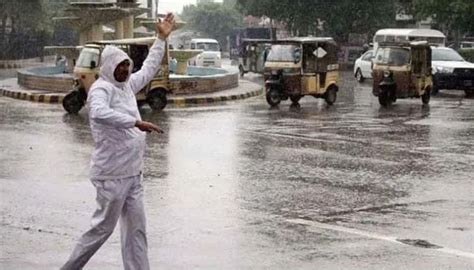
400,58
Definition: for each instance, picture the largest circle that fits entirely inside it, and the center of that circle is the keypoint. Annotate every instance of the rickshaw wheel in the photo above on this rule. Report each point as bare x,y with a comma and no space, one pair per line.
241,71
140,103
273,97
469,93
330,95
384,98
393,97
425,98
73,102
156,99
359,76
295,99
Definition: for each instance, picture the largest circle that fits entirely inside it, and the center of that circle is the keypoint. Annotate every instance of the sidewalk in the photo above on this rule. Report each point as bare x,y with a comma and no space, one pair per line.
246,89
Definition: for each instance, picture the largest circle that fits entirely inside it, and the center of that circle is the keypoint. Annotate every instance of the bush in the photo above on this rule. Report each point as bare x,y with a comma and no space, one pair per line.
467,54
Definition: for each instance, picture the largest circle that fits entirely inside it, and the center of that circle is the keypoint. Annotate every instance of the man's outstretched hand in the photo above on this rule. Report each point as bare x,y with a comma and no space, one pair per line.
165,26
147,126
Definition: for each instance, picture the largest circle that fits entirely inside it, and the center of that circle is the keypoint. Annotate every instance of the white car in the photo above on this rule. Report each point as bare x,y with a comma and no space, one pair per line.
451,71
363,66
211,55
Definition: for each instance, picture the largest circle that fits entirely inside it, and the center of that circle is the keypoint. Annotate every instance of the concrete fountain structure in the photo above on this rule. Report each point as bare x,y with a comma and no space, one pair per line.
182,57
88,17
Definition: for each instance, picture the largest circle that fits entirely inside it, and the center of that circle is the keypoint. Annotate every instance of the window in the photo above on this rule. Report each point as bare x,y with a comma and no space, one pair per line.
208,46
445,55
392,56
379,38
368,56
282,53
89,58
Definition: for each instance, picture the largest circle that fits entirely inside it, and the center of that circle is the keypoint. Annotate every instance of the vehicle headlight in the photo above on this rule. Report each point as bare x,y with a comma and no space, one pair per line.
387,74
444,69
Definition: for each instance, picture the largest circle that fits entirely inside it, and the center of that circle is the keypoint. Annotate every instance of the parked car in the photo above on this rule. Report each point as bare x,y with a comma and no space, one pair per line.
451,71
363,66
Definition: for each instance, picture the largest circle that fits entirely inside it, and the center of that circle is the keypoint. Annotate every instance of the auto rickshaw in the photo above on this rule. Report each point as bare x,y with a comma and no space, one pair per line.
302,66
253,54
402,70
86,71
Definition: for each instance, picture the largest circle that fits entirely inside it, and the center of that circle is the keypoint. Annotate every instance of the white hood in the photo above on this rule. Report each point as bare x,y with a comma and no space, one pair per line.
111,57
113,112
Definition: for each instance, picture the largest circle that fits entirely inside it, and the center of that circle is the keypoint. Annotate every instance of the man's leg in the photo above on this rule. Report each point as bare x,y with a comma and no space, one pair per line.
110,199
133,229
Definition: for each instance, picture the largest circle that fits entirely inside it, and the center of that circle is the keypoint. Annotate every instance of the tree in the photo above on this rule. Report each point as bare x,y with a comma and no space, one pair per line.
300,16
19,19
361,17
339,17
452,16
26,26
213,19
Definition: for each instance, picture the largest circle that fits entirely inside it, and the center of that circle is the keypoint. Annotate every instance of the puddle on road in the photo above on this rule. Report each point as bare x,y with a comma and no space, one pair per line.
418,243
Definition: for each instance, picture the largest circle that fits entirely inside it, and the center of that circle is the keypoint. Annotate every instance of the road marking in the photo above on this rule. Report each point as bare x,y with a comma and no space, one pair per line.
318,225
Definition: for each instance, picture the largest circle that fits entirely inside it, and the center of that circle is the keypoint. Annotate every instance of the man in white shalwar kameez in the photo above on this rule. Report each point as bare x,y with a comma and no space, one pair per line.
116,165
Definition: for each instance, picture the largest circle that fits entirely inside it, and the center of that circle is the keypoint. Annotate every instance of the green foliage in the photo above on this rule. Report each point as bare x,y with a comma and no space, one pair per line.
51,9
213,19
362,17
337,18
467,54
26,26
449,14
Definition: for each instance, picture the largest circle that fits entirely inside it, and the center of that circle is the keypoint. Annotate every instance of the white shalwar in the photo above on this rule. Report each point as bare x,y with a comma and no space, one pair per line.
116,163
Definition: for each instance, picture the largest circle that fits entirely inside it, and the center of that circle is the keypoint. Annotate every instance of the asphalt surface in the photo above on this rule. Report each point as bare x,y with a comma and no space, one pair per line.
243,186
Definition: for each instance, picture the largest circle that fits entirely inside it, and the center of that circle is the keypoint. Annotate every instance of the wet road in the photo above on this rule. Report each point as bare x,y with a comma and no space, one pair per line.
242,186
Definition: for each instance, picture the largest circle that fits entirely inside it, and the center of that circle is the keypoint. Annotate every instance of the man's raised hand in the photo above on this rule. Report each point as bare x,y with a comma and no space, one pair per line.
165,26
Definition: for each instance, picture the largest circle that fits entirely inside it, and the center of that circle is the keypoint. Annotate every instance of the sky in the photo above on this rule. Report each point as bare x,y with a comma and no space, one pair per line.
175,6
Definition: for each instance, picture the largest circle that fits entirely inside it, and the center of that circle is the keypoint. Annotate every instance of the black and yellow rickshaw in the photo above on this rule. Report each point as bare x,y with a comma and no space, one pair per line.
402,70
302,66
87,66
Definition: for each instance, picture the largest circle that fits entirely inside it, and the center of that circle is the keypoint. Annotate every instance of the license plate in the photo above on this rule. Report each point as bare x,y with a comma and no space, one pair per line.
468,83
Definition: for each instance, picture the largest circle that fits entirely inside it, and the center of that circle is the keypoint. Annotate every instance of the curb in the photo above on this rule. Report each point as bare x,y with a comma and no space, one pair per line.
34,97
54,98
184,101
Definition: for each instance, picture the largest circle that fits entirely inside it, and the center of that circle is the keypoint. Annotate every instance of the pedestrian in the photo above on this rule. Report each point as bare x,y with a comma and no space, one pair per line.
116,165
